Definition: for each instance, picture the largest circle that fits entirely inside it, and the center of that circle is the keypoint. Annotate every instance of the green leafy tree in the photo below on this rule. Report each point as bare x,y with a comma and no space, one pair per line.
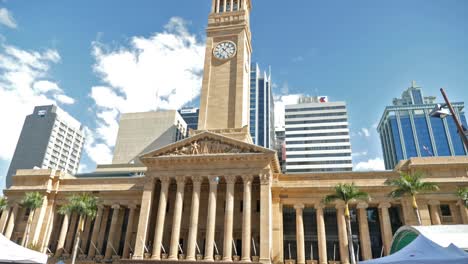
347,193
31,201
84,205
3,204
411,185
462,193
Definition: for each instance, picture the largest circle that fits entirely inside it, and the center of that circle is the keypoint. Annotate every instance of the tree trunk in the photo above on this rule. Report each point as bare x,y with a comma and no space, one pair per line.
350,235
416,209
78,234
28,229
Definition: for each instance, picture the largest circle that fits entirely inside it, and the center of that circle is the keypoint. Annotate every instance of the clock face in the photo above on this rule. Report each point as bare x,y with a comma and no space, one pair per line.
225,50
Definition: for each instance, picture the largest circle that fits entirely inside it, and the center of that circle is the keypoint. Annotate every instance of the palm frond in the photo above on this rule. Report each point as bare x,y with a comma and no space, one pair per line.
462,193
3,203
428,186
331,198
32,200
82,204
397,193
346,193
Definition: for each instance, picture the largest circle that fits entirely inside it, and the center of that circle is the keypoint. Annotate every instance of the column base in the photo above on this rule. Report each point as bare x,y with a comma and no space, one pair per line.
246,260
227,259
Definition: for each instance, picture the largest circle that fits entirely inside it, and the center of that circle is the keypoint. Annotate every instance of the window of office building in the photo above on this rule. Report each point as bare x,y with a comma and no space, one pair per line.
440,136
396,139
424,138
408,137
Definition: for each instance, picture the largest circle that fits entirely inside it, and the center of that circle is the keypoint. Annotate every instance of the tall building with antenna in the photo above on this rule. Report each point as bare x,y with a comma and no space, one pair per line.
261,108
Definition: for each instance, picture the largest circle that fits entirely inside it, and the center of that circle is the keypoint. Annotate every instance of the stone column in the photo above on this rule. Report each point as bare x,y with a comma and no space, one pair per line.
192,236
300,234
95,233
213,6
321,235
71,232
102,231
158,234
455,214
145,211
85,235
211,218
176,219
129,231
265,217
11,221
110,247
385,226
434,210
232,6
463,212
62,235
228,218
4,219
364,236
217,6
342,235
246,217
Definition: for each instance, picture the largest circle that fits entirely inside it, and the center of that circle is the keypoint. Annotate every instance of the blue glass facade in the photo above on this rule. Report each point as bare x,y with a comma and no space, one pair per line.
407,131
190,116
261,108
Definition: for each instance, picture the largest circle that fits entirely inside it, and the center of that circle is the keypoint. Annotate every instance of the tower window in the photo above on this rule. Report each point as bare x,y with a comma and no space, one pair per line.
235,5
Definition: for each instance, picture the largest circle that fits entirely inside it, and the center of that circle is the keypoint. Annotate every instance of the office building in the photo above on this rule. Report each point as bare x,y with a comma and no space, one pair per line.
50,138
406,129
280,147
141,132
317,136
190,115
261,108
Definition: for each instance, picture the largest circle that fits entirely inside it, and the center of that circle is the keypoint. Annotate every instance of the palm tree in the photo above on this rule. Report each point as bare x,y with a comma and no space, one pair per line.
412,185
31,201
3,204
347,193
462,193
85,205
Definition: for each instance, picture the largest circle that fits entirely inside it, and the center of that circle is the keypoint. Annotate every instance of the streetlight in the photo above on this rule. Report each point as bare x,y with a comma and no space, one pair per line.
441,111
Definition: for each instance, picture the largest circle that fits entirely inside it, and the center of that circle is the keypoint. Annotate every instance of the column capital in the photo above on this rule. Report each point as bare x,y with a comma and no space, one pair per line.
340,205
213,180
385,205
319,206
165,179
265,178
180,179
299,206
230,179
433,202
100,206
116,206
132,206
461,203
247,178
362,205
197,179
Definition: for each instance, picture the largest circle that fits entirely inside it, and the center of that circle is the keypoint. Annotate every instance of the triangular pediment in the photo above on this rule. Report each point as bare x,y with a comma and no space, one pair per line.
207,143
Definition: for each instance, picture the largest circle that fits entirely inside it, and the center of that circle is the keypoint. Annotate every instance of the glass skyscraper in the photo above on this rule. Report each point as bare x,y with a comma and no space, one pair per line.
261,108
190,115
406,129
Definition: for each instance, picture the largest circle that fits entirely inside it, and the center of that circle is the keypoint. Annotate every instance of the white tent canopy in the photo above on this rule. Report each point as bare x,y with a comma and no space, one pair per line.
424,251
11,252
444,235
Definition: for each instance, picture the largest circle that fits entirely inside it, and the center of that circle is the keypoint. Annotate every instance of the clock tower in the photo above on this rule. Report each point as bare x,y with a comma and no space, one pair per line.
225,93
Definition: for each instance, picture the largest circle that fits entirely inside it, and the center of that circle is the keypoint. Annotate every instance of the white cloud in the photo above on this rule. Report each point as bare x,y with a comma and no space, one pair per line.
365,132
6,18
280,103
376,164
24,83
162,71
359,154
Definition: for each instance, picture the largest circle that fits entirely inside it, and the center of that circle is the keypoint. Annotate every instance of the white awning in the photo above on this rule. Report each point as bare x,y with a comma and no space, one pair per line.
11,252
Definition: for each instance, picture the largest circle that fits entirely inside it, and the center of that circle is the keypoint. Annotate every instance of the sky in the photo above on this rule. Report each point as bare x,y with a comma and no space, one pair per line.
98,59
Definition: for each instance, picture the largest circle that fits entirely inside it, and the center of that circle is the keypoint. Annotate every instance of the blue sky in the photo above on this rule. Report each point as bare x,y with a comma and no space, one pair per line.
97,59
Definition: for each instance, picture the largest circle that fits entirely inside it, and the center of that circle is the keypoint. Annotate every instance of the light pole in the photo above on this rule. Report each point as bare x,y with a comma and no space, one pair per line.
441,112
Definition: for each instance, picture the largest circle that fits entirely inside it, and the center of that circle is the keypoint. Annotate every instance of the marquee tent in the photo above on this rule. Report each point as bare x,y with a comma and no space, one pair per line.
11,252
423,251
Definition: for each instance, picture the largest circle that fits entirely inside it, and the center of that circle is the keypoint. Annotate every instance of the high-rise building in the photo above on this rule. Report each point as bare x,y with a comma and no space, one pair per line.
190,115
141,132
261,108
280,146
317,136
407,130
50,138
